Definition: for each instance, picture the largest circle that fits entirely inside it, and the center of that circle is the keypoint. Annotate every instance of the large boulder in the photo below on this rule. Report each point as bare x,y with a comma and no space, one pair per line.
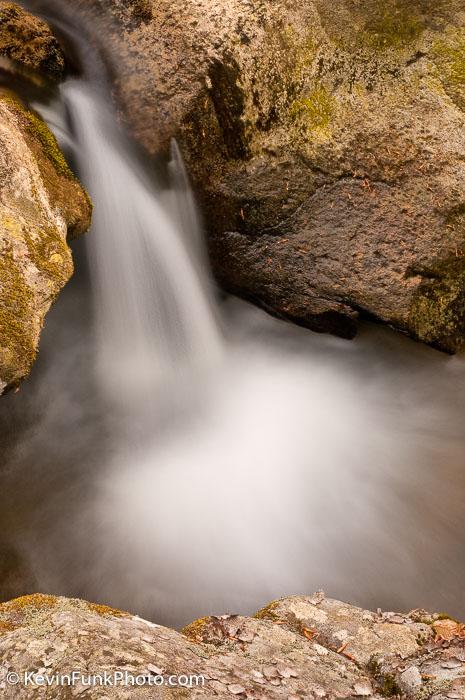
298,648
29,41
326,142
41,202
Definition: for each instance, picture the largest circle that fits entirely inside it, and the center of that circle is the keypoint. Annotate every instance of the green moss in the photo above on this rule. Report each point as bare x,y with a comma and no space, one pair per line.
39,129
432,688
422,617
437,315
49,143
16,612
281,69
389,686
315,111
449,56
89,201
267,613
446,616
51,255
16,336
386,681
37,601
393,25
29,609
104,610
297,51
193,631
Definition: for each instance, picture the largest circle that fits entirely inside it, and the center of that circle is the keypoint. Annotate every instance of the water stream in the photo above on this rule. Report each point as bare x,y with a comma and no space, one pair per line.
177,454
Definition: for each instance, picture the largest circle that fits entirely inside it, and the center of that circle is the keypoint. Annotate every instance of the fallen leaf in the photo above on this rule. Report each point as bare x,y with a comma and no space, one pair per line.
310,633
448,629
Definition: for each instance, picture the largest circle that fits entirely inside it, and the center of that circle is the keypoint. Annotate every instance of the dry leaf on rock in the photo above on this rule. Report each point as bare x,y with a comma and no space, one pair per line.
448,629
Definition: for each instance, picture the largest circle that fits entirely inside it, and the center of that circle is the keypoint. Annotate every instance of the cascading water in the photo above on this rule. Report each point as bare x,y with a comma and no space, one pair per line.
155,467
152,312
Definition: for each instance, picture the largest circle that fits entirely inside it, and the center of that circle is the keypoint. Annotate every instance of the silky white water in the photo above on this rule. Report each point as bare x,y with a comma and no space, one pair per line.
175,455
153,316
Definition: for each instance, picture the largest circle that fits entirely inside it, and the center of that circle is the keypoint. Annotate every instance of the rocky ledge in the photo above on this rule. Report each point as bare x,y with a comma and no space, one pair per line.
298,648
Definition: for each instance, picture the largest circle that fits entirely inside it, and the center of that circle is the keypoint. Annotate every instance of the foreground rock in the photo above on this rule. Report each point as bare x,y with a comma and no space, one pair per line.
40,203
295,649
326,142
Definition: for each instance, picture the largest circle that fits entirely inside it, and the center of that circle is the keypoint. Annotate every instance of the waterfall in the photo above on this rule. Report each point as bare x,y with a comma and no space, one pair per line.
159,469
154,317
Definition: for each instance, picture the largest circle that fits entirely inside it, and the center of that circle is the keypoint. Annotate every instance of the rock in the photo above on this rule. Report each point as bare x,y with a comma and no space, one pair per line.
40,203
48,637
59,635
361,635
29,41
326,142
410,680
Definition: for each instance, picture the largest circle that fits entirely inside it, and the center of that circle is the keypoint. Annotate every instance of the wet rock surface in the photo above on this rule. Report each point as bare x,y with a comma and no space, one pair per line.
296,648
326,144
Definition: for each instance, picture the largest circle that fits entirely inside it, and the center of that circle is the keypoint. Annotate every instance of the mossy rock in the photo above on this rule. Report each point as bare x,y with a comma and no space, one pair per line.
29,41
41,203
449,56
314,111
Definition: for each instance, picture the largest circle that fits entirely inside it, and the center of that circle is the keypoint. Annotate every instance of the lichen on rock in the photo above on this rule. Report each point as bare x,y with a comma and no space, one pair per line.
310,647
326,144
41,202
29,41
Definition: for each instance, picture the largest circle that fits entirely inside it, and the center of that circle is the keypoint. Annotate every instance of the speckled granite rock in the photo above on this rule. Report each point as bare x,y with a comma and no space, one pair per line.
29,41
326,141
298,648
40,203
